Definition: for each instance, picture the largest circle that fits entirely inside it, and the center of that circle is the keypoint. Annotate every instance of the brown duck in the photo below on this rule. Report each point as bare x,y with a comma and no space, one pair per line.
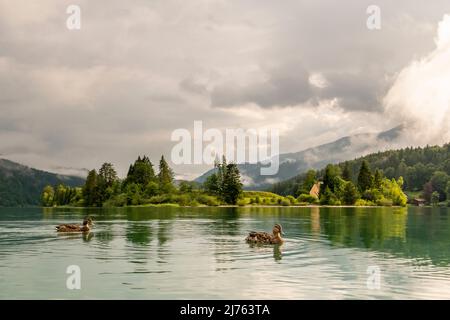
85,227
266,238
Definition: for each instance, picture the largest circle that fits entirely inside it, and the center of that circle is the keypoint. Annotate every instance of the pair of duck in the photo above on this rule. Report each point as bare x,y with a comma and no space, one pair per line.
253,237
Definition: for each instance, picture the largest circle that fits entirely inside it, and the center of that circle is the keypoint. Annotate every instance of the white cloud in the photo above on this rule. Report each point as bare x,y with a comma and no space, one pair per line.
420,95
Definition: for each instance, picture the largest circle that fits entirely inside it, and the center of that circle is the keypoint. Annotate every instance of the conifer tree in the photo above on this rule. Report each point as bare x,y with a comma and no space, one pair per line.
165,177
232,186
378,179
90,189
365,178
141,172
346,172
107,174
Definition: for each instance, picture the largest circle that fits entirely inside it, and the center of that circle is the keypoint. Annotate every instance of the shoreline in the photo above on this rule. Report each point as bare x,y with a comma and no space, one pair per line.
234,206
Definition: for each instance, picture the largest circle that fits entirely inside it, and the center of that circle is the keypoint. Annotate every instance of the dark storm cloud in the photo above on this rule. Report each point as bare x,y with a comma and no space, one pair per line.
355,92
290,86
285,86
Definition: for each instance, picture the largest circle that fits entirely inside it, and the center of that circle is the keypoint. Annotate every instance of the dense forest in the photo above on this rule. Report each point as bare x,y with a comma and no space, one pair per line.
22,186
142,186
422,172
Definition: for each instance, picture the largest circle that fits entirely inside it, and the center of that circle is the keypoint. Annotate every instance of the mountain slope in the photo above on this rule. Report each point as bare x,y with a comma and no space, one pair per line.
291,164
22,186
416,165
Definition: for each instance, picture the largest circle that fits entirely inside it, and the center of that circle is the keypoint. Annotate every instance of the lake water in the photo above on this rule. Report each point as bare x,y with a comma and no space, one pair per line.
200,253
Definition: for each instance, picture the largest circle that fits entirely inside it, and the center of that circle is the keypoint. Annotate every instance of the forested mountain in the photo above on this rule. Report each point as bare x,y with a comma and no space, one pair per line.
317,157
424,169
22,186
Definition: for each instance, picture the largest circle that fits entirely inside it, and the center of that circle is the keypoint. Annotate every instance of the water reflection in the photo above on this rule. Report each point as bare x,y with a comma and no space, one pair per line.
85,236
138,234
164,235
276,248
277,252
104,234
393,230
315,221
164,232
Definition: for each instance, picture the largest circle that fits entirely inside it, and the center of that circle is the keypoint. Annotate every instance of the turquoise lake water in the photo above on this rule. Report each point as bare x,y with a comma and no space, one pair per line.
200,253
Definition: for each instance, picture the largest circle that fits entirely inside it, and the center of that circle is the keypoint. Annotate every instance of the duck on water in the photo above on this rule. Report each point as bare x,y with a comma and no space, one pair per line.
85,227
267,238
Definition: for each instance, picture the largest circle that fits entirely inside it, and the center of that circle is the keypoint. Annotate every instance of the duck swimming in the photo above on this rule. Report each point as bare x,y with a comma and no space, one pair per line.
266,238
86,227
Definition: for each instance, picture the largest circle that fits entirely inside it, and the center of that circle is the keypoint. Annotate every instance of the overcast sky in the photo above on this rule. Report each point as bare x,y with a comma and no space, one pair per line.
137,70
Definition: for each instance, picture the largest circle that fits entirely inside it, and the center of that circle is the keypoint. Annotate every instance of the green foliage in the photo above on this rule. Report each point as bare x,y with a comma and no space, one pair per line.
291,200
328,198
435,198
285,202
211,185
107,183
439,182
308,183
384,202
331,178
47,196
447,190
225,183
186,187
365,178
119,200
372,194
152,189
350,193
241,202
184,200
232,186
61,196
346,172
134,194
165,177
391,189
306,198
363,203
378,179
427,191
141,172
91,194
107,175
207,200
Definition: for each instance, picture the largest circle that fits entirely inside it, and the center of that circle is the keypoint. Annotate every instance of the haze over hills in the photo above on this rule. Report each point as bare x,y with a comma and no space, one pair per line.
22,186
292,164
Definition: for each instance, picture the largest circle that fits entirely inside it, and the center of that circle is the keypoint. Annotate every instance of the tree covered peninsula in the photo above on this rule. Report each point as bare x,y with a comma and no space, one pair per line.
143,186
